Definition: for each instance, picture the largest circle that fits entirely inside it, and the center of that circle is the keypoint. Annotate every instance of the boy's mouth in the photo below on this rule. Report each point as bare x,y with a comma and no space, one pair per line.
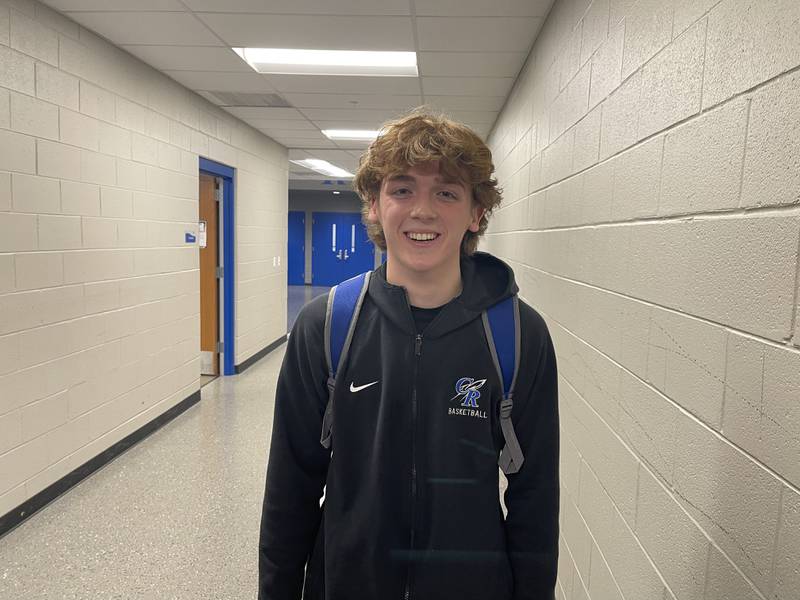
419,236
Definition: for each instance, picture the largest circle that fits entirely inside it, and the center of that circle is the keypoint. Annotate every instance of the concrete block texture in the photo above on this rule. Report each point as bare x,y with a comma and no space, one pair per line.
749,42
648,28
703,162
733,499
34,117
621,117
677,547
57,87
98,185
771,176
787,555
720,268
607,66
762,415
17,71
686,361
671,300
671,82
34,39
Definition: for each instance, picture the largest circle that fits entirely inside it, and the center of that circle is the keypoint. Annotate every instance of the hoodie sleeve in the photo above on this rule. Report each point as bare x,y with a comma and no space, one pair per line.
532,496
297,461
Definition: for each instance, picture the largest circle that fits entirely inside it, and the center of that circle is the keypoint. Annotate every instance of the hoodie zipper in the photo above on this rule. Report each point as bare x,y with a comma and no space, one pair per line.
417,354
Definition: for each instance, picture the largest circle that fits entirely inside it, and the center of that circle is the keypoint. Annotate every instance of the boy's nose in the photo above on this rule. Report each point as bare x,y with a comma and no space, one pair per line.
423,208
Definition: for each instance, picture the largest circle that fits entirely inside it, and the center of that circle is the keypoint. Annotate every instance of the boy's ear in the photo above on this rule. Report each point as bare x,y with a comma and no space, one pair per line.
477,215
372,215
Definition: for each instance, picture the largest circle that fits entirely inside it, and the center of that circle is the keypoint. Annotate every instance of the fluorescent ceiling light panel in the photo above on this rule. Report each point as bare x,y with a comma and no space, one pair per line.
351,134
322,166
330,62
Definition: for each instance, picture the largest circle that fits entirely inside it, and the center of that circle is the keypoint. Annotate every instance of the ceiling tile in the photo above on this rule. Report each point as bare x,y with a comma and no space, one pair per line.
304,7
352,144
480,103
312,32
351,101
115,5
305,142
482,8
167,28
263,112
323,84
221,80
467,86
296,125
474,117
190,58
357,124
344,116
473,34
470,64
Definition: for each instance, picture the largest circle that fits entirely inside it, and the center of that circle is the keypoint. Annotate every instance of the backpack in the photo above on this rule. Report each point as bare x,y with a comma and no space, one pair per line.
500,323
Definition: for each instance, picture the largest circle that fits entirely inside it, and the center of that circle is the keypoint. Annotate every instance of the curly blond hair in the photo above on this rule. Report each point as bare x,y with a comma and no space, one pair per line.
419,137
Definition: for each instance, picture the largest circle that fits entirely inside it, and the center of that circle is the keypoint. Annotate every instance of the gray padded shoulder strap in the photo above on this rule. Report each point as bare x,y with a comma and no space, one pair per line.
506,324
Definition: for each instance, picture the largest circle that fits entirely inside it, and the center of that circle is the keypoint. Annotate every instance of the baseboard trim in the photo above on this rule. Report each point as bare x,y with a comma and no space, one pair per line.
259,355
30,507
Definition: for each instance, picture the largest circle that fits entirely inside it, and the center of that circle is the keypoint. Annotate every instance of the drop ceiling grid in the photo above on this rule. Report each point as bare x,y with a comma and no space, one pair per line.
469,53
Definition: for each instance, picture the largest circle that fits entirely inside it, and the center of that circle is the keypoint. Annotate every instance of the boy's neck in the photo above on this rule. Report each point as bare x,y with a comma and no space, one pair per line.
427,290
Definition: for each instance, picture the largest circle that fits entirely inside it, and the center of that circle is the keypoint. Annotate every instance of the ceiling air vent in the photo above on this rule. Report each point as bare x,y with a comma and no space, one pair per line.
245,99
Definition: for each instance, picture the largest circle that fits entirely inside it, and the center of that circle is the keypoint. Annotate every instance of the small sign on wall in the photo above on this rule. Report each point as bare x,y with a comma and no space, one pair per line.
190,239
201,234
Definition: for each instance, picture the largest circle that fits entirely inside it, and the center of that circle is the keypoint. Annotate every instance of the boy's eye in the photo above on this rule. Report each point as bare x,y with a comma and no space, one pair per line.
403,191
448,194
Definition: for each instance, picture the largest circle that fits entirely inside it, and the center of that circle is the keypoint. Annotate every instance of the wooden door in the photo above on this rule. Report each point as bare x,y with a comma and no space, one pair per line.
209,284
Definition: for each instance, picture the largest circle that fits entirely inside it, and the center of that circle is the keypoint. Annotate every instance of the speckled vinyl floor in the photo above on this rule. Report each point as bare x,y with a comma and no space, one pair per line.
175,517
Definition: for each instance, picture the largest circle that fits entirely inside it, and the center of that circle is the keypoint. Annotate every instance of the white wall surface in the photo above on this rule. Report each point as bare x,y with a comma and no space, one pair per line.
99,293
651,149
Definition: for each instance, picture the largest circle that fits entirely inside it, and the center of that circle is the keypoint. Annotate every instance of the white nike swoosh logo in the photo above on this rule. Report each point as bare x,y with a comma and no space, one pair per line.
361,387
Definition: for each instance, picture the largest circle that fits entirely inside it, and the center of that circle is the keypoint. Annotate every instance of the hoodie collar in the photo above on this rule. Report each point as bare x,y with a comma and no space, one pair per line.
486,280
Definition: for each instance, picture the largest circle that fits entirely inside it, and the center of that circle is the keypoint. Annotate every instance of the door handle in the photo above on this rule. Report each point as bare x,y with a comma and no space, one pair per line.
346,256
339,255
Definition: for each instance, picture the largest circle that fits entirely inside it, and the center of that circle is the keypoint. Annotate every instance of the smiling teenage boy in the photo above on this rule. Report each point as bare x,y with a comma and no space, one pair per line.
410,468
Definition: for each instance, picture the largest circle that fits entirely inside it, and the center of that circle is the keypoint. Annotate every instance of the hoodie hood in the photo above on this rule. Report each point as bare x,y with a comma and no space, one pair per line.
486,280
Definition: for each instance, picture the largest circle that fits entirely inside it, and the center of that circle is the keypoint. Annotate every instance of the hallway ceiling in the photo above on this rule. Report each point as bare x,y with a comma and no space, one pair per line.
469,53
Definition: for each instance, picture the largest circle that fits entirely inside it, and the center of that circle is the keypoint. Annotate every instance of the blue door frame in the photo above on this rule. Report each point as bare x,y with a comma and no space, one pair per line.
296,260
226,173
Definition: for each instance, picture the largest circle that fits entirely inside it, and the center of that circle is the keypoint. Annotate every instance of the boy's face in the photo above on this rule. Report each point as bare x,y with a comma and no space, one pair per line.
424,216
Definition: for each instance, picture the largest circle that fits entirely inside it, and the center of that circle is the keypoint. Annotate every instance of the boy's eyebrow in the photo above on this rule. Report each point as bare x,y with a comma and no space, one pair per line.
445,180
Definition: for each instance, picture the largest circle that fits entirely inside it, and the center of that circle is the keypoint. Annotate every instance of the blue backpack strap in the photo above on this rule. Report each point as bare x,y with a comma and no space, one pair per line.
502,327
344,304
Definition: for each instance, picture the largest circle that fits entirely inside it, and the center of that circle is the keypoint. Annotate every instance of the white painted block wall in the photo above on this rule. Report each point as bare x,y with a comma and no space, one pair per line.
99,293
652,150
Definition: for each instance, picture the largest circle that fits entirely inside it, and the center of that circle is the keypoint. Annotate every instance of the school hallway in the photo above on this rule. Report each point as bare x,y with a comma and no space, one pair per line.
174,517
177,181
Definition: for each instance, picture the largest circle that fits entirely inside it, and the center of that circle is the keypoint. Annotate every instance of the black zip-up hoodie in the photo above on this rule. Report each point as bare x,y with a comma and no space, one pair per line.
411,507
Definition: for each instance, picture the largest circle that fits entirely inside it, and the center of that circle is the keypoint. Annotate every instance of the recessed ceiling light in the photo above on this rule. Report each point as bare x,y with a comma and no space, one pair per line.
337,193
322,166
351,134
330,62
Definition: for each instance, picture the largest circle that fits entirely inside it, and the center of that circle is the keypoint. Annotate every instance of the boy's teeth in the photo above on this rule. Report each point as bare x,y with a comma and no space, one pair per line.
422,236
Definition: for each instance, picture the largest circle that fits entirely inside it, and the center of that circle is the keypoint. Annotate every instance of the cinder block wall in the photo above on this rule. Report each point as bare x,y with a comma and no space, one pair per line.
99,293
651,151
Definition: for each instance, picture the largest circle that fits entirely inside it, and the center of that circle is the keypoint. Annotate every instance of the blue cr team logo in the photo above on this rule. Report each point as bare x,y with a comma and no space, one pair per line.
467,391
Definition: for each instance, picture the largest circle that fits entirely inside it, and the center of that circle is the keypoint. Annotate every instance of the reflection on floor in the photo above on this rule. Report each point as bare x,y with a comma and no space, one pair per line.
176,517
299,296
204,379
